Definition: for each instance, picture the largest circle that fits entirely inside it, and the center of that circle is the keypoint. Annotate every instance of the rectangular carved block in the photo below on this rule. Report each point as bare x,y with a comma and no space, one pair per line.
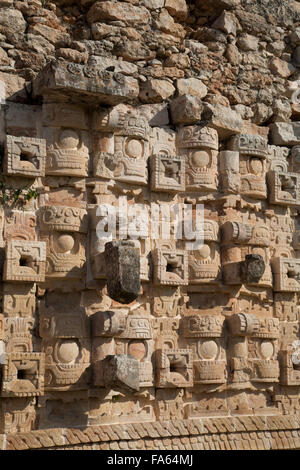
63,219
25,261
88,82
174,368
170,267
286,274
284,188
19,300
24,156
167,173
23,375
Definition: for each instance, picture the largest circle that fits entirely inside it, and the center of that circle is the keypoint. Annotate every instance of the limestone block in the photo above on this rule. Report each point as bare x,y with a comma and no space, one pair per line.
226,22
285,133
230,171
177,8
123,148
130,14
284,188
63,219
174,368
18,334
109,323
226,121
20,225
25,261
253,268
205,264
191,86
17,415
155,90
67,151
91,84
24,156
65,255
286,274
19,299
67,362
167,173
23,375
186,109
170,267
204,326
243,324
121,372
123,271
199,146
63,325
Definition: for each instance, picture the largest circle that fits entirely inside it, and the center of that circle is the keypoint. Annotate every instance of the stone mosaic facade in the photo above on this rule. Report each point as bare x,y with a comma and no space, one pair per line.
147,344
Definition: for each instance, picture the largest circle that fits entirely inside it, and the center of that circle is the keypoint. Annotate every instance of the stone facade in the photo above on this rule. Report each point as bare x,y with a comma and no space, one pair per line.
110,343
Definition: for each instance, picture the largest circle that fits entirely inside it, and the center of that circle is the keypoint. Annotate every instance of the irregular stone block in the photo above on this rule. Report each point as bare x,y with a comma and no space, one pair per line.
156,91
253,268
186,109
285,133
130,14
191,86
87,82
226,121
121,371
123,271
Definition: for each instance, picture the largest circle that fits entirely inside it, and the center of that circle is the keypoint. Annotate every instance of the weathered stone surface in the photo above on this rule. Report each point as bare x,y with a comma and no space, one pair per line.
226,121
253,269
186,109
74,79
123,271
156,91
177,8
130,14
191,86
11,21
284,133
121,372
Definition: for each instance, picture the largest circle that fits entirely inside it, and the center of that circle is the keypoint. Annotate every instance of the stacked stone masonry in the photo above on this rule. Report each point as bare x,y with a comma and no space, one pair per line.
146,343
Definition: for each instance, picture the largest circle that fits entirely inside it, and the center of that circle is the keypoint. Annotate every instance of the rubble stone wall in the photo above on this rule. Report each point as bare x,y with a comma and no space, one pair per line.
149,344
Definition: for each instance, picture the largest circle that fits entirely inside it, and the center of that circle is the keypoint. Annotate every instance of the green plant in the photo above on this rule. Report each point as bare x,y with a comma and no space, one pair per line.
15,196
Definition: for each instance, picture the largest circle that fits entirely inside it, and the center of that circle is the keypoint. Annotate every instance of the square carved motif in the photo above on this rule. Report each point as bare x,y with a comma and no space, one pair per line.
25,156
23,375
25,261
174,368
167,173
170,267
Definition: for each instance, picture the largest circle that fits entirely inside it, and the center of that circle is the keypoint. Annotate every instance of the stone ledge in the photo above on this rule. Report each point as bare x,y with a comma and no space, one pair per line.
235,433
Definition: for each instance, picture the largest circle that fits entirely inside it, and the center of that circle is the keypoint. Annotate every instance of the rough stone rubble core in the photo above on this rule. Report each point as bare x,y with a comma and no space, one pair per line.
145,343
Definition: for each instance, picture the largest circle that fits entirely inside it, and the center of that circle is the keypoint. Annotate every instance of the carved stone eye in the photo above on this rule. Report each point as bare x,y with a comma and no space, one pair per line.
134,148
209,349
65,243
68,351
256,166
68,139
200,159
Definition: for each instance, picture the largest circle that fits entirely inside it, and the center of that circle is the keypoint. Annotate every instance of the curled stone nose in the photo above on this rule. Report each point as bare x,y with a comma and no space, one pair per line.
123,271
253,268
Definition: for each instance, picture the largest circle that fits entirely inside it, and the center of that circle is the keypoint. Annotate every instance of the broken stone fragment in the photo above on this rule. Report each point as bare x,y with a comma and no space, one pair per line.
92,85
123,271
121,371
226,121
156,91
186,109
253,269
285,133
191,86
